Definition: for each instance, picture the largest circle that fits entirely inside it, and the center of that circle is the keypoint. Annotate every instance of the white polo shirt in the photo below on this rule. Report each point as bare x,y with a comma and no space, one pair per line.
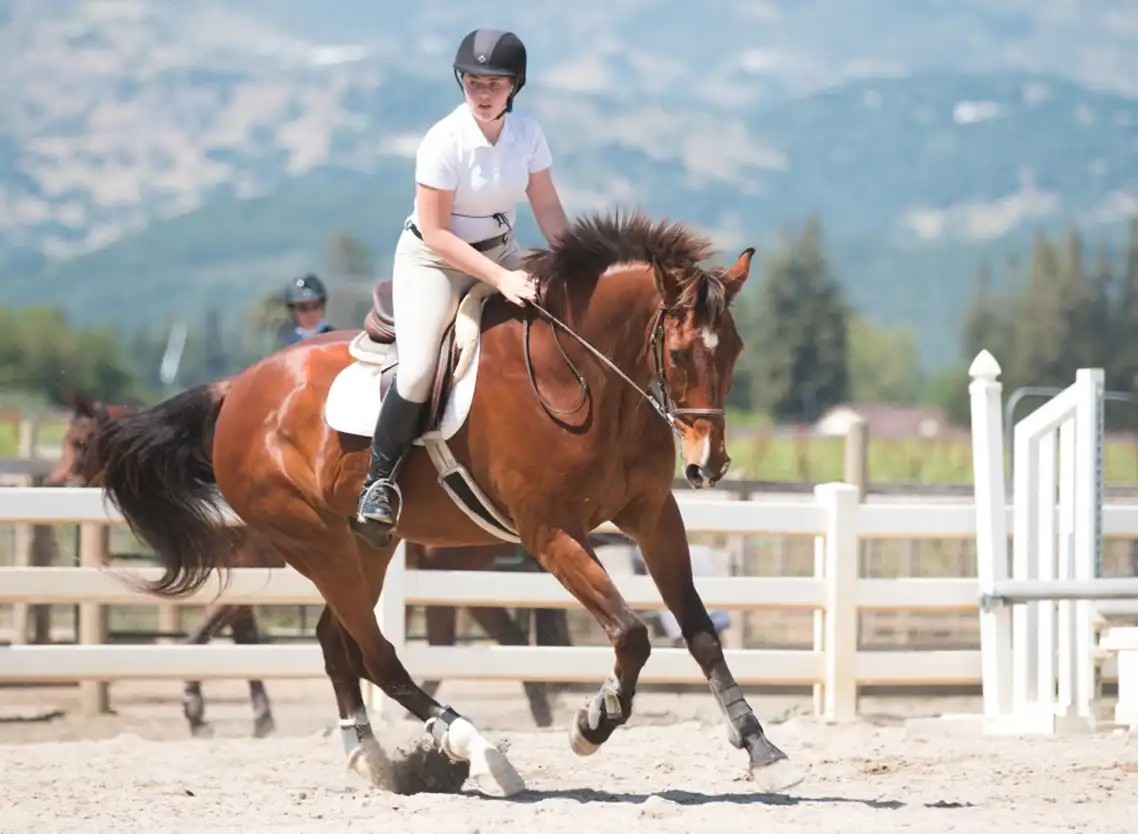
486,179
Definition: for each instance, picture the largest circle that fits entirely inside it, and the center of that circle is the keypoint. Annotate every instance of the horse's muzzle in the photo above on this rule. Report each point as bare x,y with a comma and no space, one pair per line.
700,477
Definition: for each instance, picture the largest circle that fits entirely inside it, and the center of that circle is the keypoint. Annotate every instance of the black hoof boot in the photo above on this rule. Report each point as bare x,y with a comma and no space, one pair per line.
396,427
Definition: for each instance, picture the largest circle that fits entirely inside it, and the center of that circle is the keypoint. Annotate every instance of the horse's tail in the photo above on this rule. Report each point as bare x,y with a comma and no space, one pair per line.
156,466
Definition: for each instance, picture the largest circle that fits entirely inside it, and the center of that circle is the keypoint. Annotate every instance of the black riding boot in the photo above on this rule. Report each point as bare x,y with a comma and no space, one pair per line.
398,425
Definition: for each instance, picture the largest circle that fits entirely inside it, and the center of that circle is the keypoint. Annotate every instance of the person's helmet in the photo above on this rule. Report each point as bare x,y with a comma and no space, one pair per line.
492,52
305,288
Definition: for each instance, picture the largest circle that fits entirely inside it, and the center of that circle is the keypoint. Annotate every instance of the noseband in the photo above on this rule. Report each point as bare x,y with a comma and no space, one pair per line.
665,405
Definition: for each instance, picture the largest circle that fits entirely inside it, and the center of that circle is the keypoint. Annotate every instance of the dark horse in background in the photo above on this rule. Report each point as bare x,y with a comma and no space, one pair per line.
247,550
623,303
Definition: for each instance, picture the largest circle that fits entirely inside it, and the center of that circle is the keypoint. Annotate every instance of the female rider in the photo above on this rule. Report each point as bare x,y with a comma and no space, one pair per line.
472,168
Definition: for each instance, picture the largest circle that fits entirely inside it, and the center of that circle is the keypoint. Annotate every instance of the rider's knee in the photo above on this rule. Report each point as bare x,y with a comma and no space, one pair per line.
414,384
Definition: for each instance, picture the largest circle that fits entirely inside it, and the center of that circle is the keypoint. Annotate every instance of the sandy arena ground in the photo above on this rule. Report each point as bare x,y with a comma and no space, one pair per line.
670,770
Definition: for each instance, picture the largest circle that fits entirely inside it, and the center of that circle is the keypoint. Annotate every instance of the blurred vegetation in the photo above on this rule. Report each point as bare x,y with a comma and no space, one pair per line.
807,348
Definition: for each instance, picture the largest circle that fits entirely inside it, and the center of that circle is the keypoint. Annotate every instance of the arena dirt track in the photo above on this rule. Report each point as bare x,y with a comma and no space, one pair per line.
671,771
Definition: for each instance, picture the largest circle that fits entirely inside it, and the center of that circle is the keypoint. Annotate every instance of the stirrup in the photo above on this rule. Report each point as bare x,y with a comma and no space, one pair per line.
381,483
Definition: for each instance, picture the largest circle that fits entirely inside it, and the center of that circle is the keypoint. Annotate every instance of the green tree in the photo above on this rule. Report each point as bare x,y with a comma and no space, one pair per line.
350,279
1042,325
985,325
801,365
1122,364
883,365
41,353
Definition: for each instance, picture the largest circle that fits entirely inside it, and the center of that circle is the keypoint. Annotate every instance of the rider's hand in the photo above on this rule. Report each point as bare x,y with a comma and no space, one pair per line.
517,286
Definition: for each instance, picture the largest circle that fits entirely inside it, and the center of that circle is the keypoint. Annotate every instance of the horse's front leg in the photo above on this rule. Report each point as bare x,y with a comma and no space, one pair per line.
658,528
572,560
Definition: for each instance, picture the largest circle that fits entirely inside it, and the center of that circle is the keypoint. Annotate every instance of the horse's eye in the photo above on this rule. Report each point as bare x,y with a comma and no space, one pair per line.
676,356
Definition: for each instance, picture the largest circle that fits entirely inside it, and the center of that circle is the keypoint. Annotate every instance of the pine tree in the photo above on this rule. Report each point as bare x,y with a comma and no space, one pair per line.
802,366
1041,328
1124,319
1087,343
350,279
984,324
1101,313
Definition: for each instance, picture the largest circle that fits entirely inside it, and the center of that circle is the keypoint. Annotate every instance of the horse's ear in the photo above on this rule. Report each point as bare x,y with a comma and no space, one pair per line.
82,406
666,284
735,277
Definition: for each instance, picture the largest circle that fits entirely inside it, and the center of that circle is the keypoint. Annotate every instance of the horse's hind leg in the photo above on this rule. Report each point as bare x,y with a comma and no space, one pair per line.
193,704
244,626
572,560
658,528
349,575
344,666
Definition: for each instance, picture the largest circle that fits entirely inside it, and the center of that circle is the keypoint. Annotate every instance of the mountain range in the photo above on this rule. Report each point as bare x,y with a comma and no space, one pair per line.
157,157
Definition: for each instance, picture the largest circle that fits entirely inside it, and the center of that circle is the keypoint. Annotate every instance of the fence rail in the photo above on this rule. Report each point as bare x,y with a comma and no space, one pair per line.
835,665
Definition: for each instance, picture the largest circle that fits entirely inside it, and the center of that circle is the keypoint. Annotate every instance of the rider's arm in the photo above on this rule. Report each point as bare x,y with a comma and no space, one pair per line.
542,193
434,222
546,204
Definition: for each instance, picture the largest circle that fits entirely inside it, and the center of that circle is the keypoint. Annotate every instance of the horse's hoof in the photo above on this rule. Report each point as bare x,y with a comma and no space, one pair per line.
770,768
264,726
577,741
490,770
776,777
368,761
493,775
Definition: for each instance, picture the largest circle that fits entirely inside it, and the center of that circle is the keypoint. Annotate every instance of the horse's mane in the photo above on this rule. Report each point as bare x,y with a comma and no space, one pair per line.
595,242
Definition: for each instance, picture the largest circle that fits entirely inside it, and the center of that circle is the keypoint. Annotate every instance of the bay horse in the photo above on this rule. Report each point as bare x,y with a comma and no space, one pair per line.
246,550
638,308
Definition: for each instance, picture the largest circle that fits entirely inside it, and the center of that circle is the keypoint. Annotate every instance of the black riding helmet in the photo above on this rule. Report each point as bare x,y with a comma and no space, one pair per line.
305,288
492,52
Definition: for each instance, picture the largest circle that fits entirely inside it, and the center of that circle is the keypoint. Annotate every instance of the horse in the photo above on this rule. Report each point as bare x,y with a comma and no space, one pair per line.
247,550
637,306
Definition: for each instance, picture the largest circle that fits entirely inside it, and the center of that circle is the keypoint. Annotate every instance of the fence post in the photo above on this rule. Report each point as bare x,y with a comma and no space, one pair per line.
1090,385
855,472
391,612
94,543
990,493
841,505
35,547
856,461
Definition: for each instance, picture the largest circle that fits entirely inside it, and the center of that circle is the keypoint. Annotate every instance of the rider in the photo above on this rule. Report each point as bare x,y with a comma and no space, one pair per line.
472,169
306,299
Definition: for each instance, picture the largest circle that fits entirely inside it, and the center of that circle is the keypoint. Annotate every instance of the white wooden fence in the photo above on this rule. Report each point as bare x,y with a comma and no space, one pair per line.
835,665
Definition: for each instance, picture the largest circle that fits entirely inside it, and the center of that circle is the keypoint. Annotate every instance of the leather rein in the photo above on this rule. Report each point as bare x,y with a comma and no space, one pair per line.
665,405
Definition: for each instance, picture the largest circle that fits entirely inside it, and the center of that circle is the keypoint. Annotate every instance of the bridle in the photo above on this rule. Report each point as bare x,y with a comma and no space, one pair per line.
664,405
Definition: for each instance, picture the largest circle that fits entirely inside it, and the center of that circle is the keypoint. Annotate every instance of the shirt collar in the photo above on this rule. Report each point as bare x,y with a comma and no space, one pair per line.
473,134
309,332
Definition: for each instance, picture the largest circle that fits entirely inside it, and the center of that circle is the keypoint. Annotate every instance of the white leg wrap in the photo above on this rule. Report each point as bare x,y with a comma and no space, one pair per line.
490,770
